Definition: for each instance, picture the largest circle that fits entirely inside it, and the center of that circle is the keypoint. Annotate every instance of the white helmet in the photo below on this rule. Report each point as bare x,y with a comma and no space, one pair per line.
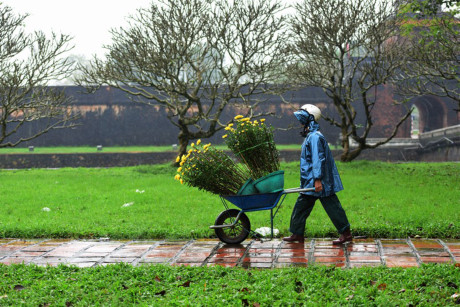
313,110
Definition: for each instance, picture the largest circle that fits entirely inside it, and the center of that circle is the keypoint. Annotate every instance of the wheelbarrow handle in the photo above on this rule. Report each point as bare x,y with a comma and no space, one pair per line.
298,190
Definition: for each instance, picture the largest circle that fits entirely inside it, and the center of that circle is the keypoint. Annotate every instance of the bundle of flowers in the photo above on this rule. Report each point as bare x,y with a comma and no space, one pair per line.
210,169
252,143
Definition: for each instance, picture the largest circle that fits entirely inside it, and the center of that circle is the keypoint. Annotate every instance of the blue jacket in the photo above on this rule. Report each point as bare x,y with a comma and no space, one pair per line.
316,162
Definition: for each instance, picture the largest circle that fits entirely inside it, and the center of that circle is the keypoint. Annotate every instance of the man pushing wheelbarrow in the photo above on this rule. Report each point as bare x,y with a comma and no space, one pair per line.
318,171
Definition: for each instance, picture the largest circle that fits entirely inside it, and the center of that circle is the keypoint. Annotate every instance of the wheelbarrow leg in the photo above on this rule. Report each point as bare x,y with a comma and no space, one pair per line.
271,220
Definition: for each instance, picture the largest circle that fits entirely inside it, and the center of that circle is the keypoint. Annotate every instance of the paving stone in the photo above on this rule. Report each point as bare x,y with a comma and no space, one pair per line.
294,253
258,259
83,260
259,265
329,253
16,260
292,260
334,264
426,244
191,264
28,254
103,248
330,259
119,260
191,259
84,264
39,248
365,259
364,264
223,264
290,264
223,259
435,259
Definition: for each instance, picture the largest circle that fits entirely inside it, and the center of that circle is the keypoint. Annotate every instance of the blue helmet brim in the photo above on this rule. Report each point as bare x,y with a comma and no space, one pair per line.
302,116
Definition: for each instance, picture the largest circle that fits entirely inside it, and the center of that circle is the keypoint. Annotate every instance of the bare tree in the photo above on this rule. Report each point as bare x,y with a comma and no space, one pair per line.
434,36
195,58
27,64
347,48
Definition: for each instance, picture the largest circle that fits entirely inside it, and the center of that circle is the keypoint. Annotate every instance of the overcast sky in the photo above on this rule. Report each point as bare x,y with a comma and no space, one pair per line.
88,21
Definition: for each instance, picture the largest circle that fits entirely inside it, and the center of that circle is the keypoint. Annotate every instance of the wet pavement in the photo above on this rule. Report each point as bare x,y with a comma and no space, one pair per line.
250,254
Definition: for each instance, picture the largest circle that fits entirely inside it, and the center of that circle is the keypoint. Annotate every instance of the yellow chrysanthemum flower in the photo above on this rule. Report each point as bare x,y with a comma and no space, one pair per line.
256,122
177,177
245,119
193,145
224,136
182,163
230,125
262,120
198,142
179,169
178,159
181,181
238,117
228,128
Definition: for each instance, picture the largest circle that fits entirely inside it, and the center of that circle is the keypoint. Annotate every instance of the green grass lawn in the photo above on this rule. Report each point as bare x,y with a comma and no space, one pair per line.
125,285
145,202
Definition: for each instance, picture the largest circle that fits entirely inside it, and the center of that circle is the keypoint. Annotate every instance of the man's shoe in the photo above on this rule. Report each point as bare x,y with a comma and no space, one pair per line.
294,238
344,237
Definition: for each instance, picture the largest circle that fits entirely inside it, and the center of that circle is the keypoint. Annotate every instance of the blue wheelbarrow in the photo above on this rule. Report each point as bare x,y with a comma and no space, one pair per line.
232,226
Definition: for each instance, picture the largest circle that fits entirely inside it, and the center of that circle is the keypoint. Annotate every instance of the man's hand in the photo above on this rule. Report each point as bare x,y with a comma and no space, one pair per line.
318,185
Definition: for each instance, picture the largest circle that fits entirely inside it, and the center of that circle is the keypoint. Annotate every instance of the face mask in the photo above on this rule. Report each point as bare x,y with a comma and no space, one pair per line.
304,132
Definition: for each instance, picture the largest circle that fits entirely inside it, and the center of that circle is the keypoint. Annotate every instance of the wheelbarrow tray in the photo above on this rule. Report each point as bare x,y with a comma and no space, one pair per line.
255,202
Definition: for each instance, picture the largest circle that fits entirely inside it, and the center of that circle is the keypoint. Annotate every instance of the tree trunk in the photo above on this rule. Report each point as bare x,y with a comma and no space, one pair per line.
183,143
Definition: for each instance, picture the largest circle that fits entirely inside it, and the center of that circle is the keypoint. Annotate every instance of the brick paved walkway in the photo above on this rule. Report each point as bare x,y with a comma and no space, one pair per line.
250,254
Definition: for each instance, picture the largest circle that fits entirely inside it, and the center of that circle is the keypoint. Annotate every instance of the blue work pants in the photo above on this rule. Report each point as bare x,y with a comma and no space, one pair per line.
304,206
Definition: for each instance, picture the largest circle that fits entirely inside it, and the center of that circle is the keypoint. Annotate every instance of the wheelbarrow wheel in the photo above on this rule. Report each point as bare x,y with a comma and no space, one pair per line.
235,234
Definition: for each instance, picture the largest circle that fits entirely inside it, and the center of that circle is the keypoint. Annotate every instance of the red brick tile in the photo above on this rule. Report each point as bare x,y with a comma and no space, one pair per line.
401,262
103,248
16,260
364,258
119,260
223,260
28,254
426,244
329,253
364,264
269,244
39,248
292,260
436,259
228,264
336,264
262,250
296,245
290,264
363,254
363,248
82,260
191,259
330,259
259,265
258,259
289,253
83,264
230,254
154,260
192,254
191,264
